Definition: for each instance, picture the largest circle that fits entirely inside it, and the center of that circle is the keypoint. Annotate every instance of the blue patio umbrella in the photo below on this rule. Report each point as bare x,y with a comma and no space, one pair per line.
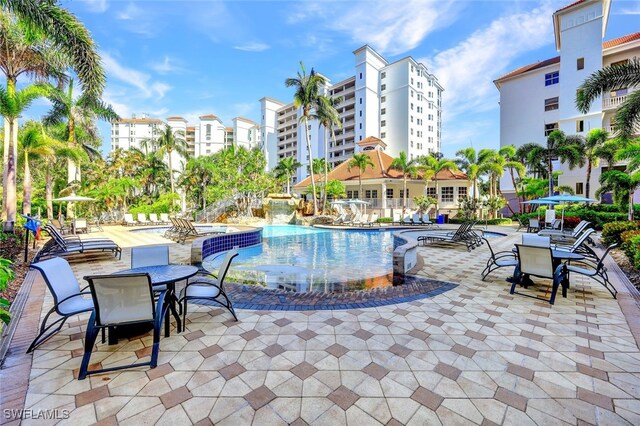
567,198
541,202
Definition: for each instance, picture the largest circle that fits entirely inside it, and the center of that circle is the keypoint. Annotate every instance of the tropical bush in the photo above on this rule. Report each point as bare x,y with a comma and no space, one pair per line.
424,203
166,203
612,232
468,207
6,275
385,220
499,221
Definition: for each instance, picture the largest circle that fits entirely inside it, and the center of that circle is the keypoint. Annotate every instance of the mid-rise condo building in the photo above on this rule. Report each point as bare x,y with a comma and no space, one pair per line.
399,103
539,98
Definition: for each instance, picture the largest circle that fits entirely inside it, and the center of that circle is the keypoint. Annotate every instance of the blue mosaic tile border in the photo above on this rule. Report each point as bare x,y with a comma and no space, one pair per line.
220,243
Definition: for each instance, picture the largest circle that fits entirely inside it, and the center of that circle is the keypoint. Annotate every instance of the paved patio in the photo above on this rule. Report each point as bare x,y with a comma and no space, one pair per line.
471,355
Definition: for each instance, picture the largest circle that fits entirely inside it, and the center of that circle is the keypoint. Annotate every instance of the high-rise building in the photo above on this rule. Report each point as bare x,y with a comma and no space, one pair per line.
539,98
398,102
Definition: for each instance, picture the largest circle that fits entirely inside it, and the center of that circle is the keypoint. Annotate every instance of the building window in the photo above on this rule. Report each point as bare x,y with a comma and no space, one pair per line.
383,123
383,99
411,105
619,92
360,113
580,63
383,74
402,194
383,87
551,104
579,126
548,128
383,135
383,111
208,129
431,192
352,194
389,192
447,194
360,101
360,76
462,191
579,188
360,126
411,80
618,63
552,78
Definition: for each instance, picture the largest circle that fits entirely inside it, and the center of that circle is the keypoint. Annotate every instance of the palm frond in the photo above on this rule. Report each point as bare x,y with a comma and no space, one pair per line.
607,79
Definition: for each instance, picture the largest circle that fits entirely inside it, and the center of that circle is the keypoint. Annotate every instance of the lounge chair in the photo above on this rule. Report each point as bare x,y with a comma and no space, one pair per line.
566,233
61,246
521,224
60,225
597,271
205,290
80,225
579,246
397,217
68,298
164,217
373,220
128,220
361,220
538,262
534,225
120,300
142,219
153,218
406,220
498,260
426,220
463,235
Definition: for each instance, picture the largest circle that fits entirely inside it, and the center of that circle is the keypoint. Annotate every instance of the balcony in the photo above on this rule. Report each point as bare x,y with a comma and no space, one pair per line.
613,102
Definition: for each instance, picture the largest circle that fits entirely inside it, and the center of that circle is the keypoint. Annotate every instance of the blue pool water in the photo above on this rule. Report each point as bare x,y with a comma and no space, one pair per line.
305,259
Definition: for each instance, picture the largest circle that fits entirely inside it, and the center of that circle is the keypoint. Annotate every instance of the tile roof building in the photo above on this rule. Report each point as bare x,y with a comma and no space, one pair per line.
398,102
538,98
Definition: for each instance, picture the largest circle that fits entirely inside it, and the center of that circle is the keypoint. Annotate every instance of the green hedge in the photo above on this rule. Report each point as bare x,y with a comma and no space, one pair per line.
503,221
597,218
385,220
612,232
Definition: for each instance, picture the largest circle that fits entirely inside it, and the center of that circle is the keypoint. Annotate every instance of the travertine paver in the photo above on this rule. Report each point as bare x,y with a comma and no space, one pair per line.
472,355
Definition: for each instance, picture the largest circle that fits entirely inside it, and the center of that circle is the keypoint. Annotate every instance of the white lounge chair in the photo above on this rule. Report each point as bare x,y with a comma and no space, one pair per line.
128,220
153,218
142,219
164,217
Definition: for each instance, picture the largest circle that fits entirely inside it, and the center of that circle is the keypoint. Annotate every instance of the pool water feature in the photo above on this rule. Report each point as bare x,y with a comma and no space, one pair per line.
304,259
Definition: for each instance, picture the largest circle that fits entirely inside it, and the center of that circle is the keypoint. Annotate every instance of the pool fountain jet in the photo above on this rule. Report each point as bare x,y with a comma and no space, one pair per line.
280,208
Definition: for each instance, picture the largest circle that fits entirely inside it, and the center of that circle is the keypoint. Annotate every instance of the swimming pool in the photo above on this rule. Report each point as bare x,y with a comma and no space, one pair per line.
303,259
163,229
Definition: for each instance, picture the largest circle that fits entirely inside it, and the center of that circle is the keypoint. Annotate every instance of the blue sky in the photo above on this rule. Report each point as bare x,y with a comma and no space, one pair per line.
191,58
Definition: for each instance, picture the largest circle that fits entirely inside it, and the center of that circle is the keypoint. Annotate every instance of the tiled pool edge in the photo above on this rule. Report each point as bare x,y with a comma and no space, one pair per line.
205,246
405,256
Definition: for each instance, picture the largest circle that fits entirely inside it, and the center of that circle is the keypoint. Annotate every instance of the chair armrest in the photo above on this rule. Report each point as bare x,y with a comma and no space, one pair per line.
72,296
160,312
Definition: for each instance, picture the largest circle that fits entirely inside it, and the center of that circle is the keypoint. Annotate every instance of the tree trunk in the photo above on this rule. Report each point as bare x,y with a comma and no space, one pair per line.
10,207
515,189
313,180
437,199
359,184
404,194
587,186
630,214
550,177
26,186
288,184
171,172
5,162
48,189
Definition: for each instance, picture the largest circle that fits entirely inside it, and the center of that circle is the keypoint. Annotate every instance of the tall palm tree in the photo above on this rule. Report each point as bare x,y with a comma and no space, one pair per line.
169,141
536,166
307,91
472,164
361,161
328,117
622,185
408,168
610,78
434,166
12,104
33,144
568,150
79,113
287,168
594,142
516,170
66,34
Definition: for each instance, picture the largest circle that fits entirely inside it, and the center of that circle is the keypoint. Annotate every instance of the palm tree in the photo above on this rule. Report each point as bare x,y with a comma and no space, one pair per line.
567,149
12,104
407,168
79,113
287,167
594,142
67,35
434,166
33,143
536,166
610,78
516,167
168,141
472,163
622,185
328,117
307,91
361,161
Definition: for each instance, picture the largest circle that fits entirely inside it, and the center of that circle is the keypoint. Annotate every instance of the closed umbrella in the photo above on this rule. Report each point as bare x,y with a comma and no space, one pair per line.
567,198
73,198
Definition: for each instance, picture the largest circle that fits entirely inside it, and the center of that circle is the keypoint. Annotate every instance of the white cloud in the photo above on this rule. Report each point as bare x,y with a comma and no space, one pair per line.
167,66
467,70
96,6
139,21
139,80
391,27
123,110
633,10
244,109
252,47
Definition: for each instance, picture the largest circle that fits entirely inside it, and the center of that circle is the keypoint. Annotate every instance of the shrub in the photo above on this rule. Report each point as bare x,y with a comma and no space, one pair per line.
571,221
612,232
385,220
503,221
628,246
6,275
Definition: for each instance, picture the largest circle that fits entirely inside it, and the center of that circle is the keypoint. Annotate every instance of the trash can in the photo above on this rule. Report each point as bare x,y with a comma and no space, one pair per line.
440,220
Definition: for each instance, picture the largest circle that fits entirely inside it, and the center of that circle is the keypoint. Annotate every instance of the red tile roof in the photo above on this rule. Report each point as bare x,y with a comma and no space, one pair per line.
138,120
607,44
571,5
381,170
208,117
176,118
621,40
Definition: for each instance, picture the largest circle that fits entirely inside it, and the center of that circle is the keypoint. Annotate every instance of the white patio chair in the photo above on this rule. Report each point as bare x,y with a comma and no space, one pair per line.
128,219
538,262
536,240
67,297
122,300
153,218
534,225
142,219
201,289
80,225
164,217
150,256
